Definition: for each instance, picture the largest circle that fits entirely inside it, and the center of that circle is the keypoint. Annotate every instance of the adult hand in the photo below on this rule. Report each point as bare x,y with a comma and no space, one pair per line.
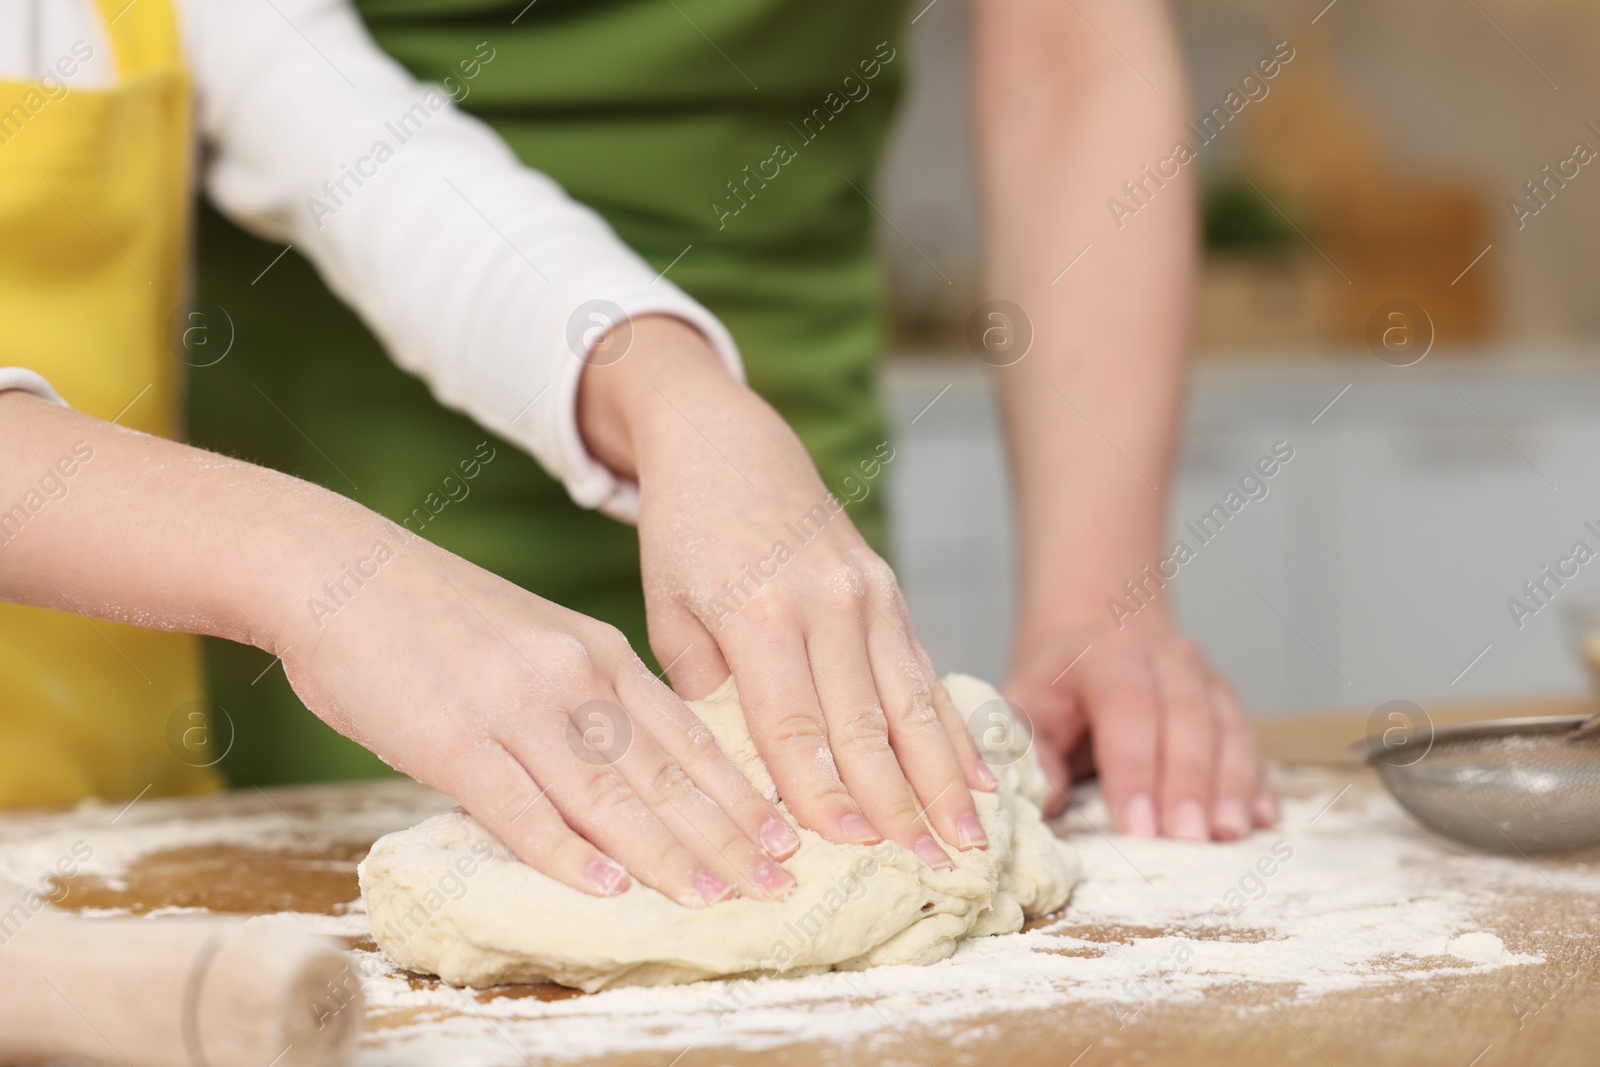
540,721
751,567
1174,751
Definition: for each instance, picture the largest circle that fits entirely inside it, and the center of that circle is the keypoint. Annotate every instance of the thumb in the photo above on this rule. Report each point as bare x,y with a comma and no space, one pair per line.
689,655
1057,725
1054,765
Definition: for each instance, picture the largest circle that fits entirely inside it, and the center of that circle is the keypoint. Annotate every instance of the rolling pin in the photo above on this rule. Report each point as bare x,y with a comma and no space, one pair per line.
172,992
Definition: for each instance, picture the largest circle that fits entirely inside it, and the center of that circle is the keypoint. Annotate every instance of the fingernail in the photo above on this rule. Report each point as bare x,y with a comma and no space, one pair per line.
931,853
607,877
1188,822
774,879
1232,820
714,889
1139,816
858,830
779,841
1266,808
986,778
971,831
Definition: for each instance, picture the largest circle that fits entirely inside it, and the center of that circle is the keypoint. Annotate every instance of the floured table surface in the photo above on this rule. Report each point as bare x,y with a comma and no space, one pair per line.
1347,935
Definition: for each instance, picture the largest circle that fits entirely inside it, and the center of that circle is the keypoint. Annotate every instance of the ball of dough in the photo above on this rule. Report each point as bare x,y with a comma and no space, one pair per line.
447,898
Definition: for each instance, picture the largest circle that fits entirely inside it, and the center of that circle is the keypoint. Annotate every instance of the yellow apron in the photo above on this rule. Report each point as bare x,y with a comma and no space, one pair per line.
93,238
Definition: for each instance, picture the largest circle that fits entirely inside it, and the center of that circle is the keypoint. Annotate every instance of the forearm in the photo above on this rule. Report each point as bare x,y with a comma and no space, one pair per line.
102,521
449,673
479,275
1063,121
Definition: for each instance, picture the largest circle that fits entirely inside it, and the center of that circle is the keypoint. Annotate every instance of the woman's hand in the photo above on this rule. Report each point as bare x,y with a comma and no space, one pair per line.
1174,750
540,721
752,567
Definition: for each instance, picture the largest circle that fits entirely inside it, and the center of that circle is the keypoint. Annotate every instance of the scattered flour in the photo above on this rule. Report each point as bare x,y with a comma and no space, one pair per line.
1350,907
118,834
1477,946
1346,894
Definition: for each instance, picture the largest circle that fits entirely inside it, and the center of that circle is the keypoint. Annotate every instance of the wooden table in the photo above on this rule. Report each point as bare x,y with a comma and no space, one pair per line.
296,850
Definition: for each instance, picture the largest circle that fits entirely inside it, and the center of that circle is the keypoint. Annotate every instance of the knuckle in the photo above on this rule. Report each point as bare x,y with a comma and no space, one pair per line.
606,643
1192,711
845,596
879,577
671,783
830,792
916,714
1130,697
1242,739
1186,768
606,791
903,810
865,730
1132,776
796,729
700,745
531,816
765,619
1226,701
571,664
1187,652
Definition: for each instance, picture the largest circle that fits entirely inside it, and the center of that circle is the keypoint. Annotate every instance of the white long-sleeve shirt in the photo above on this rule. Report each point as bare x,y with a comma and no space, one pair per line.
468,266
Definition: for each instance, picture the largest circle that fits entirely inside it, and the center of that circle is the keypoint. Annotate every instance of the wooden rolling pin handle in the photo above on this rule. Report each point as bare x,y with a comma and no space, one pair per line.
174,992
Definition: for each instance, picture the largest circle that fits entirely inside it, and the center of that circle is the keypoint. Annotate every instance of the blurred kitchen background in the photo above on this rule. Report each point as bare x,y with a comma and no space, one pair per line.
1380,565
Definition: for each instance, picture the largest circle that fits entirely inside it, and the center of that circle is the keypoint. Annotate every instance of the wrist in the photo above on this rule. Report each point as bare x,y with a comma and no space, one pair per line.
622,401
310,570
1079,572
1116,611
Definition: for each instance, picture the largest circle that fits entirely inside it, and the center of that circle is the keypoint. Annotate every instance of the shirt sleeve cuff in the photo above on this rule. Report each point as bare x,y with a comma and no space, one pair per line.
31,382
591,483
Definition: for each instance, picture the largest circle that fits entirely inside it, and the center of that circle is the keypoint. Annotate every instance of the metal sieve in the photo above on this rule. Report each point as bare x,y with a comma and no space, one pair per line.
1507,785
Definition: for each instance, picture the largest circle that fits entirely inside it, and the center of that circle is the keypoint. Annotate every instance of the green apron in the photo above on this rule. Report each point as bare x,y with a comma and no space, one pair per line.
645,110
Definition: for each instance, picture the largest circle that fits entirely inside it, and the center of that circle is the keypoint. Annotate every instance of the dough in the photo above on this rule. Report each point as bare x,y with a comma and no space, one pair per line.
447,898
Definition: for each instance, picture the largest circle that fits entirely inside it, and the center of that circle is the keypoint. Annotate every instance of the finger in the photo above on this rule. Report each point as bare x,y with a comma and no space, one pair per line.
513,807
885,605
859,735
1124,706
1188,746
690,742
669,734
687,651
1058,739
976,773
1059,777
1266,807
1238,768
1065,752
694,818
786,724
921,742
598,802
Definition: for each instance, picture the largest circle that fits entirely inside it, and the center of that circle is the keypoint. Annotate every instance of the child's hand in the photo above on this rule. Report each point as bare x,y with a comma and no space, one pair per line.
457,677
748,568
462,680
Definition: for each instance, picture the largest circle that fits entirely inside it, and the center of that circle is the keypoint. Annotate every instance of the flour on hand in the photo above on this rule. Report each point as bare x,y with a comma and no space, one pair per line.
447,898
